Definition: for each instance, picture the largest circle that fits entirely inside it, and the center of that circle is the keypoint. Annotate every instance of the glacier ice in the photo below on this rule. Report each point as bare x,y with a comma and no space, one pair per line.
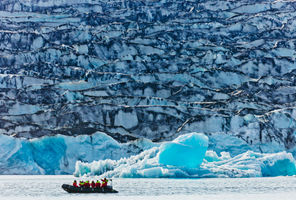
186,151
188,65
99,154
226,69
157,162
58,154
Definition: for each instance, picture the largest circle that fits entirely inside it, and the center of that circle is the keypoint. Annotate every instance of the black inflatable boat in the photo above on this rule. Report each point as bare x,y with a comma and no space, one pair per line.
72,189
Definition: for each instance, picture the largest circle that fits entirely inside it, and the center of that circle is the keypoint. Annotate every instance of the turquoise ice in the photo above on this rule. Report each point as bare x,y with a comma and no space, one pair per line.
185,157
186,151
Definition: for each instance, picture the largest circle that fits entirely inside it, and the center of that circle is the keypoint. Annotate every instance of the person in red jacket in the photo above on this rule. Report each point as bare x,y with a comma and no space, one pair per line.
81,183
75,183
104,182
98,184
87,185
93,185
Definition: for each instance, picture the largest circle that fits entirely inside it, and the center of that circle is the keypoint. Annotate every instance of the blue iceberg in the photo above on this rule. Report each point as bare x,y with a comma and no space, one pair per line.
248,164
186,151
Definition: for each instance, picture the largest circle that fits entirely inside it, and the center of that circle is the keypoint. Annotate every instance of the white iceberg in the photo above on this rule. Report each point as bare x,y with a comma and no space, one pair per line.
248,164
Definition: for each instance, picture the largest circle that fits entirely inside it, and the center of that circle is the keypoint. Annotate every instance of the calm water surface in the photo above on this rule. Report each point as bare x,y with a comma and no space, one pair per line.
49,187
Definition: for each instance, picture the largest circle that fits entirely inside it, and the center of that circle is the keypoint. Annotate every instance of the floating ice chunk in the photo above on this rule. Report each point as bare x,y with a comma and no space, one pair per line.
163,162
58,154
185,151
98,167
279,164
250,164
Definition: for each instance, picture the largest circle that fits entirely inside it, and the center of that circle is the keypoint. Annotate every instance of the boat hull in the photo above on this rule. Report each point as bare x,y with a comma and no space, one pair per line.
72,189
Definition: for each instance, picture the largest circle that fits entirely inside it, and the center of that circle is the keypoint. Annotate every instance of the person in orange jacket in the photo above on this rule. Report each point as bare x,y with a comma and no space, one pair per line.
75,183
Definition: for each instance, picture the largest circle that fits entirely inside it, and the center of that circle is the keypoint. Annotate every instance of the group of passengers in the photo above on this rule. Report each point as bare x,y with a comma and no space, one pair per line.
93,184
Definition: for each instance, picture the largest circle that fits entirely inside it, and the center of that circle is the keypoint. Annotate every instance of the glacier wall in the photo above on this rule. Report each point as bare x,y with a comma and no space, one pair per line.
150,69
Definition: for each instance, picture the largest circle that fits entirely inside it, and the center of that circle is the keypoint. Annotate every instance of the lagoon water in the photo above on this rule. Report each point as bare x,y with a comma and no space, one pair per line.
49,187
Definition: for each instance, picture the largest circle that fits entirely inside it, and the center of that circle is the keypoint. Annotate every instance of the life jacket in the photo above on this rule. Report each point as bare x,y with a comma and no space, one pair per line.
87,184
93,185
75,184
104,180
104,184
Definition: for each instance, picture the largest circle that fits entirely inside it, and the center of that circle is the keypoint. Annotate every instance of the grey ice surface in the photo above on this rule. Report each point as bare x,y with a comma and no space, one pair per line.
150,69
